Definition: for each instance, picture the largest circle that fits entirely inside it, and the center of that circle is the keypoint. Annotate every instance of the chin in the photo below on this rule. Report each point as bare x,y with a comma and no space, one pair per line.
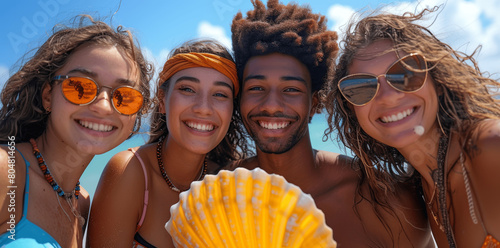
89,147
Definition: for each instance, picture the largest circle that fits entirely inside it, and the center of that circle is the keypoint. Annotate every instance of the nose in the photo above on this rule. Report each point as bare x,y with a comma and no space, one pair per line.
272,102
102,103
387,94
203,104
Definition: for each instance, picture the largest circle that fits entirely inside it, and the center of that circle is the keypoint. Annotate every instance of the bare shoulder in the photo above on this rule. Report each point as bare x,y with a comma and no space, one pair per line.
483,170
8,174
7,163
120,161
123,171
488,138
335,166
485,156
122,183
13,174
332,159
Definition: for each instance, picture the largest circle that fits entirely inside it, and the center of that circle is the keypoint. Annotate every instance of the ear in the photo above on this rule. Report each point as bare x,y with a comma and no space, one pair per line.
316,106
47,97
161,96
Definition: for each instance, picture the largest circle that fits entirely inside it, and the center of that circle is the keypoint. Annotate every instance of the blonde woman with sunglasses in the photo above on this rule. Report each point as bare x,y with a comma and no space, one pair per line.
408,104
81,94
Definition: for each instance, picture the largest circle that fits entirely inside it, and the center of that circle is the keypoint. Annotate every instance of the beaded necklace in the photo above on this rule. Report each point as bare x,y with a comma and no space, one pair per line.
489,241
164,173
429,204
48,176
442,148
58,190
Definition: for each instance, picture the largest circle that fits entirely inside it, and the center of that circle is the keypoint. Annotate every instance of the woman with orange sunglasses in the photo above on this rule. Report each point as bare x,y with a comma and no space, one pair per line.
408,104
82,93
194,131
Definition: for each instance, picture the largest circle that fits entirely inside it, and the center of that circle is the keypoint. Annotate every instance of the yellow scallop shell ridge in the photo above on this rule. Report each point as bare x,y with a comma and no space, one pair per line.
247,209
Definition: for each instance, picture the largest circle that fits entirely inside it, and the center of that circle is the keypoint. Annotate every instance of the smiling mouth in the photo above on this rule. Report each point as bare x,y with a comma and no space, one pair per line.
397,117
200,127
274,125
95,126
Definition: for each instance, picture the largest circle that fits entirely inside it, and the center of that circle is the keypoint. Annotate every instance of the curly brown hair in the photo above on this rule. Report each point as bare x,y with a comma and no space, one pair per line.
464,96
287,29
22,113
234,146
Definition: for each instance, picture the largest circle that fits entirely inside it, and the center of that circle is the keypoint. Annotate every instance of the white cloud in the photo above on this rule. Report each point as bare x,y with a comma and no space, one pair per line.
463,24
340,15
207,30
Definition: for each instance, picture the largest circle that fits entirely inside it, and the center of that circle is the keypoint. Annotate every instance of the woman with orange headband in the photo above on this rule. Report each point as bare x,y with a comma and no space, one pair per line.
194,131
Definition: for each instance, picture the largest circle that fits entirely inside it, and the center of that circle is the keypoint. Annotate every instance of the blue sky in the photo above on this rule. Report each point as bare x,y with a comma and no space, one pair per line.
161,25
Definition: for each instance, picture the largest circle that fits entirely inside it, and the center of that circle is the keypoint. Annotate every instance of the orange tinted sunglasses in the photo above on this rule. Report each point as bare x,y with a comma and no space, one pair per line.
83,91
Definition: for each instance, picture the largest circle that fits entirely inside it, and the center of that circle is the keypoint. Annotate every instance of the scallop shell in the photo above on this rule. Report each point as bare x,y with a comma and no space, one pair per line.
247,209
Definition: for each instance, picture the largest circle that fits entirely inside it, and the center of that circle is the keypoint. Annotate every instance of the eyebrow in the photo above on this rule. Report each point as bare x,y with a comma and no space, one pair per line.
196,80
222,83
187,78
293,78
93,75
284,78
260,77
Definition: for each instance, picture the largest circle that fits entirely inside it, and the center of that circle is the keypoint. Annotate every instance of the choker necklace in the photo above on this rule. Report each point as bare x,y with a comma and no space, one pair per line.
48,176
164,173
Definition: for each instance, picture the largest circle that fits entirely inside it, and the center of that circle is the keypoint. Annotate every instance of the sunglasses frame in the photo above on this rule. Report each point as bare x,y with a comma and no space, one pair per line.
425,70
65,77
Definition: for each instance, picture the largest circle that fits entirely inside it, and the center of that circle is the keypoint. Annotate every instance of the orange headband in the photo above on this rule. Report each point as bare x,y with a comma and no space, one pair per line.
183,61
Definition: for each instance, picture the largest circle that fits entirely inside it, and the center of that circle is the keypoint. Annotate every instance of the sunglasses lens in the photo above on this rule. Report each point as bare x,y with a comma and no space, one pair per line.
358,89
79,90
408,74
127,101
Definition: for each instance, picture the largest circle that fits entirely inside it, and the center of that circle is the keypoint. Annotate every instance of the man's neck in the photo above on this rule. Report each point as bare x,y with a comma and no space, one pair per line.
296,163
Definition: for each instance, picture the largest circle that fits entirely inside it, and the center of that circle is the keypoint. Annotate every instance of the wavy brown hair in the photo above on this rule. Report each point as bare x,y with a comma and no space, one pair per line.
22,114
287,29
234,145
466,95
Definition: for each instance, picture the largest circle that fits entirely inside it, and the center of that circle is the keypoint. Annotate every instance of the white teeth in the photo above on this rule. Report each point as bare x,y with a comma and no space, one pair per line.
200,127
397,117
273,125
96,126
